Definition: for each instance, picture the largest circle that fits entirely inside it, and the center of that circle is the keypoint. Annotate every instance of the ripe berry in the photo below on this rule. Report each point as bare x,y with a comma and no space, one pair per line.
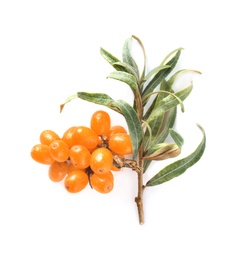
76,181
116,129
100,122
102,182
58,171
85,136
101,160
40,153
59,150
68,136
120,143
80,156
47,136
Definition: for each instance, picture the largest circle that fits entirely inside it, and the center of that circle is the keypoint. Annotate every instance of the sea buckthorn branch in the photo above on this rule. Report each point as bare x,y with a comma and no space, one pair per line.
89,154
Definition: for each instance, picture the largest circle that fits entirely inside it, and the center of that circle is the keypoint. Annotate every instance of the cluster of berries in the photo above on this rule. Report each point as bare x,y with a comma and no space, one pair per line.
84,154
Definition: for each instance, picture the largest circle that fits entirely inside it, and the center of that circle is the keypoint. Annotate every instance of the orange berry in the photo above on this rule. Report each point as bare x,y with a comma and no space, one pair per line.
116,129
80,156
47,136
58,171
100,122
76,181
120,143
59,150
102,182
68,136
72,168
85,136
40,153
101,160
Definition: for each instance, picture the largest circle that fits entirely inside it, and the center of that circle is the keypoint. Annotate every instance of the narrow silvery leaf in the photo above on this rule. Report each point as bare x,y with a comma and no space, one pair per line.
167,123
67,100
158,123
179,167
126,78
144,55
178,139
111,59
108,56
155,127
155,71
161,75
178,74
126,67
97,98
169,102
133,123
127,57
170,55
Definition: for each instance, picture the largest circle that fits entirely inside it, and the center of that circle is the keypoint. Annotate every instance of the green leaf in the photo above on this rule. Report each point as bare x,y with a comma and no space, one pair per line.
161,75
150,136
126,67
127,57
155,71
126,78
169,102
168,57
97,98
111,59
178,139
179,73
144,55
179,167
108,56
168,120
157,124
133,123
160,95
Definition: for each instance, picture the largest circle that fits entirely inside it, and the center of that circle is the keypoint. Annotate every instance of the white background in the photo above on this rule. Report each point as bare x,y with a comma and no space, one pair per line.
50,50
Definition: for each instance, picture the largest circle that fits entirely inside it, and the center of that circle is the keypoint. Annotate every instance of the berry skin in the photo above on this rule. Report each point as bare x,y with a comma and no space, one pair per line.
120,143
100,122
68,136
40,153
85,136
102,182
80,156
116,129
76,181
48,136
58,171
59,150
101,160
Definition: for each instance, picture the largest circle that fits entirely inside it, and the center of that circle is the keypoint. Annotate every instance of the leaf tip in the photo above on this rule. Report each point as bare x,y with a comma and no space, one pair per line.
61,107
